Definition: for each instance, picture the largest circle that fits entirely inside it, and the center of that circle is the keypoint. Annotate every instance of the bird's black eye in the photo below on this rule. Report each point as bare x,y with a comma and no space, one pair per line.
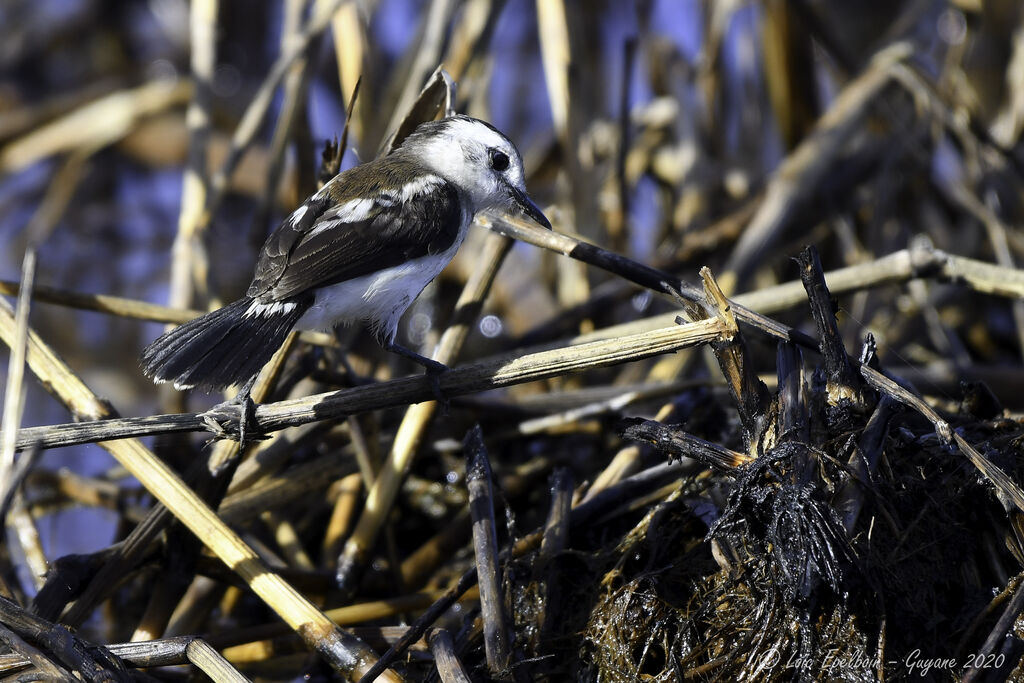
499,160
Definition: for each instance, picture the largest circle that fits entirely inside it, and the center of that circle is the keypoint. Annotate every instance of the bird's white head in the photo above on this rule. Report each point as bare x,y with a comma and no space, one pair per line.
477,158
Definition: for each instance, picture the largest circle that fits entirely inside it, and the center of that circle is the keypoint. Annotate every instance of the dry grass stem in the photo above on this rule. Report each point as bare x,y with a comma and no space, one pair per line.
189,261
497,640
449,668
210,662
94,125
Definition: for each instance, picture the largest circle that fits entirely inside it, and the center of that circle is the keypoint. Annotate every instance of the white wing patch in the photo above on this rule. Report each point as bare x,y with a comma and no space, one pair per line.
419,186
355,210
298,214
257,309
352,211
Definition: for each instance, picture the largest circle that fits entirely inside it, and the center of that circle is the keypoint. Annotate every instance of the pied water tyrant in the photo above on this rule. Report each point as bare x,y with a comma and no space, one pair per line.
360,250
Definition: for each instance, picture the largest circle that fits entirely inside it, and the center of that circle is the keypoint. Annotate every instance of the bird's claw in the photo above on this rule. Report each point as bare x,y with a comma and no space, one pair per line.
434,371
223,419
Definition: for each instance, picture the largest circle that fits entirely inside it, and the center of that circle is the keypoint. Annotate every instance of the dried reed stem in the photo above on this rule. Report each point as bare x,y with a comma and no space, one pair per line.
497,639
188,254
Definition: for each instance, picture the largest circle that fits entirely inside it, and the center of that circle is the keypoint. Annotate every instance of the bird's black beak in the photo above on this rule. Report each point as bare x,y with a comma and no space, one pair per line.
527,206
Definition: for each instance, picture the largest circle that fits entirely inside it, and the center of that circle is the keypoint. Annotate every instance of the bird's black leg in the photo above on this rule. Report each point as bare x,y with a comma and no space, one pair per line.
240,408
433,368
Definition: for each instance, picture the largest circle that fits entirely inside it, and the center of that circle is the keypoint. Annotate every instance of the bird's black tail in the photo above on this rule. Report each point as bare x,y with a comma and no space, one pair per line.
224,347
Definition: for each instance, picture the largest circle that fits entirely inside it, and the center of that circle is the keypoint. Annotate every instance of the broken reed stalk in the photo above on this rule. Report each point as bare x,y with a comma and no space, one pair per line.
748,391
793,420
556,528
449,668
656,280
678,444
26,655
554,542
92,662
212,663
497,638
350,656
842,382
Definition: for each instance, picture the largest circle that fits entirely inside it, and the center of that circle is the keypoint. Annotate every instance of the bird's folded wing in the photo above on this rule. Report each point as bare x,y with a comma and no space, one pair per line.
320,244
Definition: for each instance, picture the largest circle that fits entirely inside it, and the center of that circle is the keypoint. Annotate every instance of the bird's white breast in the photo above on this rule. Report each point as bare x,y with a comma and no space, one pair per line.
380,299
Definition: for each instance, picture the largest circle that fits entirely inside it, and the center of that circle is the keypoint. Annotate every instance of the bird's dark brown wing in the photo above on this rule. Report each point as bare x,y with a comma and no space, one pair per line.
333,241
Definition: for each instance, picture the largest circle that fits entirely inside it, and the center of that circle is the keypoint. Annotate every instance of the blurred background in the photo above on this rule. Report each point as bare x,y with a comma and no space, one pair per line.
682,133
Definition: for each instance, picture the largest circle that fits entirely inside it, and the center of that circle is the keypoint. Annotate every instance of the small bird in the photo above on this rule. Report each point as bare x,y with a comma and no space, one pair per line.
360,250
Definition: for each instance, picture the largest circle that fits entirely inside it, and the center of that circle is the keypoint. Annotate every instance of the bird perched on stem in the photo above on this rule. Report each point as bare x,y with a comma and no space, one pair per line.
359,250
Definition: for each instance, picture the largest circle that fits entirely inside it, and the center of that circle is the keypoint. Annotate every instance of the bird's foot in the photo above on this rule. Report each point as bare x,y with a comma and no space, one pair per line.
232,418
434,371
